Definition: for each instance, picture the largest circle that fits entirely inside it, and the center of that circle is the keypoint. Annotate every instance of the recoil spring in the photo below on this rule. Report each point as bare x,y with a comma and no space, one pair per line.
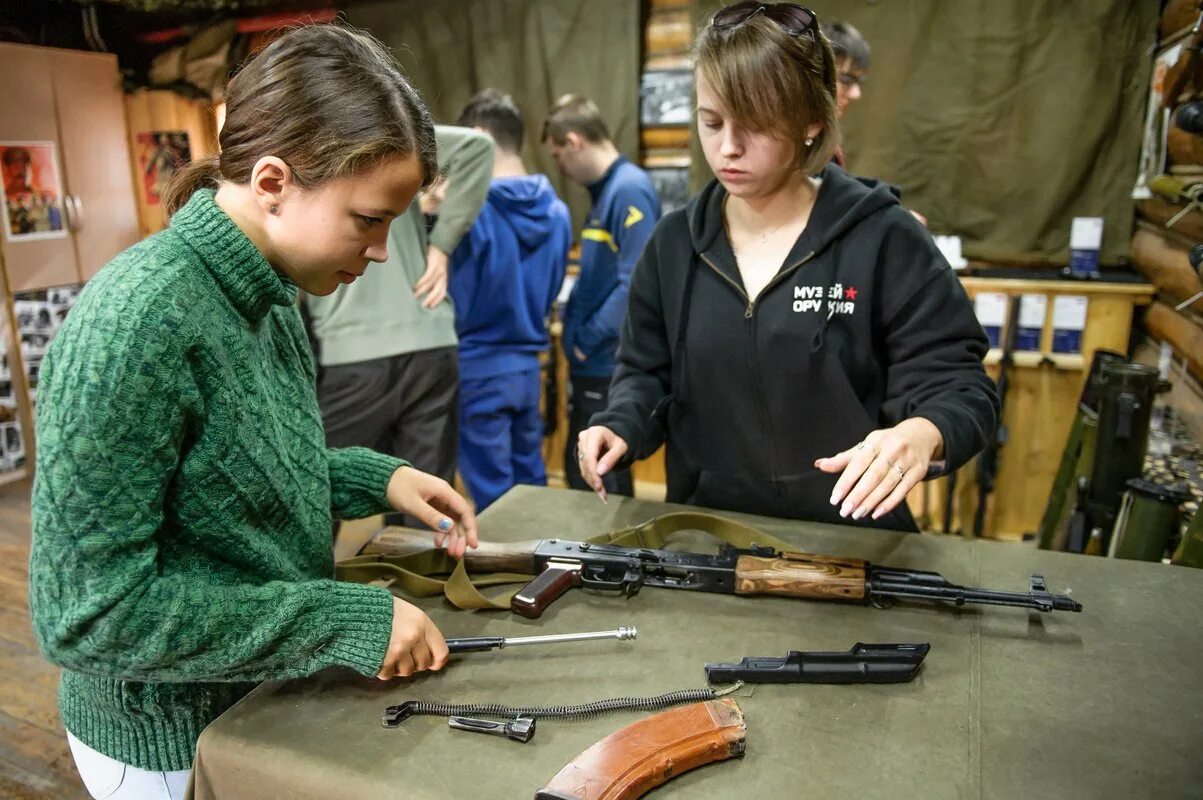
395,715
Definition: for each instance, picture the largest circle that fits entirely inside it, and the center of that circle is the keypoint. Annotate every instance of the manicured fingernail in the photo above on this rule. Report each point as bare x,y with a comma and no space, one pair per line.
444,524
835,498
858,513
844,509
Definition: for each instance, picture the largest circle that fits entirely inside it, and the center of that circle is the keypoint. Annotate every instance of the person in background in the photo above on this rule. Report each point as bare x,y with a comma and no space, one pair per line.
505,276
794,335
851,53
184,491
386,344
624,212
54,215
17,179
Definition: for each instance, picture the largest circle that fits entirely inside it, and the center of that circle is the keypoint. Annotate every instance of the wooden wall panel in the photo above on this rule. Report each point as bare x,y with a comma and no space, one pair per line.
1178,15
1164,263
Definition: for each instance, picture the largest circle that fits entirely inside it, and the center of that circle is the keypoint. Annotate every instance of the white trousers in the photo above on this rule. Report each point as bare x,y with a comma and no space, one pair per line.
109,779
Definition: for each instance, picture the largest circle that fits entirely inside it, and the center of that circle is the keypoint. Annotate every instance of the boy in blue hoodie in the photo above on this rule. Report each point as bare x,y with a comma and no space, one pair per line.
505,275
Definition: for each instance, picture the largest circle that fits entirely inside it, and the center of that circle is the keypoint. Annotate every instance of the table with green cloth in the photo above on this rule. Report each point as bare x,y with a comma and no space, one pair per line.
1010,703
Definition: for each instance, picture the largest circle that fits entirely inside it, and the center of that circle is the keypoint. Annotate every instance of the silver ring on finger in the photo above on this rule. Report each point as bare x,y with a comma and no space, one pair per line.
901,471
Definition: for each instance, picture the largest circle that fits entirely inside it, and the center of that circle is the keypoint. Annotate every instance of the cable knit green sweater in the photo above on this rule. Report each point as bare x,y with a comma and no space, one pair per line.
182,505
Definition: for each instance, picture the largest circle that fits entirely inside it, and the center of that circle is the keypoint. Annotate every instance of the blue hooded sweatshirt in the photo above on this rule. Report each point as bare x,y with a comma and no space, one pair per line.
505,275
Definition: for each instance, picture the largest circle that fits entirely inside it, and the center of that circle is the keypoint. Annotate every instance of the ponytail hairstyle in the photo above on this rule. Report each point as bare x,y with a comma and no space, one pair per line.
327,100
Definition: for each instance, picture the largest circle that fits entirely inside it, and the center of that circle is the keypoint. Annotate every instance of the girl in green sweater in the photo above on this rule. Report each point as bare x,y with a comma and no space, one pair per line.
183,500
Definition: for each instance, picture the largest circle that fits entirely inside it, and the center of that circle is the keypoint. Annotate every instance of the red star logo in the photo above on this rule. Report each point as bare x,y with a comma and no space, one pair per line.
850,293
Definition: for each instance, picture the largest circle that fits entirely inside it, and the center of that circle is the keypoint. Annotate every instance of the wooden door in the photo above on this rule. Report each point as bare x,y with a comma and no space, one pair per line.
27,117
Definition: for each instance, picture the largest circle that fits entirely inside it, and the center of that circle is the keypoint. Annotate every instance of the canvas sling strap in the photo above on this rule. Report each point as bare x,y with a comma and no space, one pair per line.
420,574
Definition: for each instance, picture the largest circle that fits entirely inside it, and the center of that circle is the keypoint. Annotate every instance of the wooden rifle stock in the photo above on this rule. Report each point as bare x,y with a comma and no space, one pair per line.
631,762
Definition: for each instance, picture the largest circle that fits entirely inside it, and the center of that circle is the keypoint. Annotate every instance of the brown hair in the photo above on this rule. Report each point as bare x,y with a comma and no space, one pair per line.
575,113
847,43
328,100
496,112
772,82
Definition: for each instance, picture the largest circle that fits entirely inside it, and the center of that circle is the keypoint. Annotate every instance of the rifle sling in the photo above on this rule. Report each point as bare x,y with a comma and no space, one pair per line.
419,574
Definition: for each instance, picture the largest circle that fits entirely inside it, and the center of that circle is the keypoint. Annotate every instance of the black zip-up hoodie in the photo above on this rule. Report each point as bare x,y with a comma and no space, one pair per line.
864,326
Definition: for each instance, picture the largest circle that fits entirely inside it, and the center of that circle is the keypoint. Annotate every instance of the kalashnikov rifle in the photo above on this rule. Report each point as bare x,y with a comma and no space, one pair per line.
560,564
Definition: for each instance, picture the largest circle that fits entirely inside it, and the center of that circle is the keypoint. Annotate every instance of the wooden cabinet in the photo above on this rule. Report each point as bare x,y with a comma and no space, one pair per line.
62,125
27,114
91,115
73,100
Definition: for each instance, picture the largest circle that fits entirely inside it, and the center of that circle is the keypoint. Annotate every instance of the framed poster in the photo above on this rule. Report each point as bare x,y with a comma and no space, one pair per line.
160,154
12,448
32,191
39,314
666,97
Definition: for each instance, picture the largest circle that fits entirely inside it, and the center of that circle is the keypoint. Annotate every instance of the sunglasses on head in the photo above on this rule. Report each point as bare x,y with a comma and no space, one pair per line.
789,17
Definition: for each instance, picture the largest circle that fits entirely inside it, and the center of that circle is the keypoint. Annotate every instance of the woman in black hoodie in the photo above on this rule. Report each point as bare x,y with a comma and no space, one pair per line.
793,332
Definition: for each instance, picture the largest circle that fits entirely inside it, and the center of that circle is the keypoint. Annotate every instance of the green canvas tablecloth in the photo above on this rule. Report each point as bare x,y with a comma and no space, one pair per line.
1009,704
